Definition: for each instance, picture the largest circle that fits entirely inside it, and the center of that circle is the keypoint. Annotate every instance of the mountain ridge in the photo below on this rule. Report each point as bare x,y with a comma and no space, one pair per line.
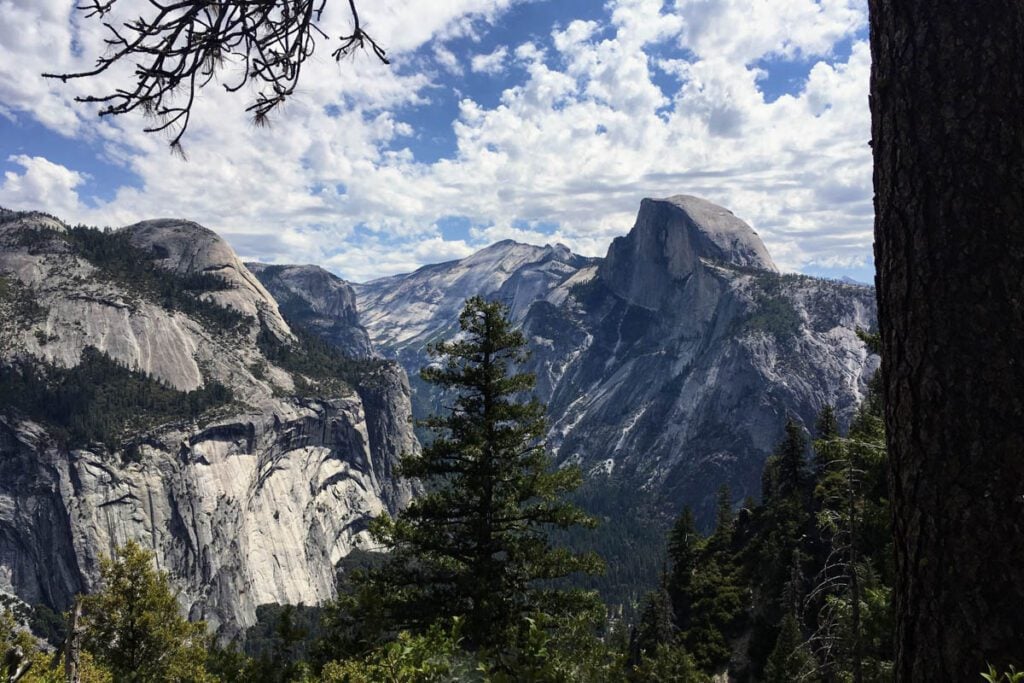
629,349
252,500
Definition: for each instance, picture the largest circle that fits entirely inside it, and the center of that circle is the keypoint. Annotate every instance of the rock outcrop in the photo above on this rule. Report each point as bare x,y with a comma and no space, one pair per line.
318,300
252,502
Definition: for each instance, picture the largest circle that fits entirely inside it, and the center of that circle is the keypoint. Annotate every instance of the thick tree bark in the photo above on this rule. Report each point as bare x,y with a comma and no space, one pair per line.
947,104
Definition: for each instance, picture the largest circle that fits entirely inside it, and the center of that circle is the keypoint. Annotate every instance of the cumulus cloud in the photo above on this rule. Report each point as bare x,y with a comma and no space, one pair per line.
650,100
490,63
42,184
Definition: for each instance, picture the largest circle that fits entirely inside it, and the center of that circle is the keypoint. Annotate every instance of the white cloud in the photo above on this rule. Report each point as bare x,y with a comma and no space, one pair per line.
490,63
43,184
577,141
448,60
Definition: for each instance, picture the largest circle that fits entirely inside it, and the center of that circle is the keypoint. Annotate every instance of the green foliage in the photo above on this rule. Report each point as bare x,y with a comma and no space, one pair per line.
655,628
119,261
851,601
668,664
774,315
278,647
802,581
19,310
100,400
785,472
873,340
476,544
433,656
316,365
14,639
133,625
685,547
790,660
717,611
546,650
995,676
628,537
48,625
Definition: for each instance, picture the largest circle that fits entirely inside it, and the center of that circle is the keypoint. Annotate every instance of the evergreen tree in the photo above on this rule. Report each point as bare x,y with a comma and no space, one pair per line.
476,544
655,628
790,659
684,548
827,426
717,613
133,625
851,599
786,472
827,432
724,514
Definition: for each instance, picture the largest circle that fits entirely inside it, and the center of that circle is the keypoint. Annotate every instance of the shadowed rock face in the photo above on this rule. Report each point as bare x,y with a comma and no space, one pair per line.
253,503
671,364
318,300
667,244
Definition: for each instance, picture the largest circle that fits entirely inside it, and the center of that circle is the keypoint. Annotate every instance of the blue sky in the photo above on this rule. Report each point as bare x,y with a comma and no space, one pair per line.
543,120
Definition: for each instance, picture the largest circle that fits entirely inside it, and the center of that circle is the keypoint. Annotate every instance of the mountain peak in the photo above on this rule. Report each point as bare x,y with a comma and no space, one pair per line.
186,247
728,239
667,243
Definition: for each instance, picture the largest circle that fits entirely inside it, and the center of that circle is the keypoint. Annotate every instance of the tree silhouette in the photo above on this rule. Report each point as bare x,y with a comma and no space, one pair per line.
947,89
181,45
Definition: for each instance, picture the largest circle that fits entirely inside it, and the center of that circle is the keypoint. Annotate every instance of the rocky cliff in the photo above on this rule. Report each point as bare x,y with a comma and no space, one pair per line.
250,498
669,366
319,301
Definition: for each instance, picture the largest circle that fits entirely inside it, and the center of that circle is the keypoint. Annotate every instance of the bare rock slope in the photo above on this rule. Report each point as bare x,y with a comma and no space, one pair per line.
251,501
670,365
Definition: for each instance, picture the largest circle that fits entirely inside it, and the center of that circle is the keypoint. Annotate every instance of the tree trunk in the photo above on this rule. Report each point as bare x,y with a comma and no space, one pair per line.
947,104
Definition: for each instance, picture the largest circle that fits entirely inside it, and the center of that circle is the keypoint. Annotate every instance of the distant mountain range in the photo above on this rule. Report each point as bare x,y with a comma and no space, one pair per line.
671,364
244,420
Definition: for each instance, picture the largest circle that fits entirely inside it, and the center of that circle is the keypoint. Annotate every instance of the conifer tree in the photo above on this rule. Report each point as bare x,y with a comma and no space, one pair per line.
684,548
790,659
655,628
476,544
133,627
724,515
827,426
786,472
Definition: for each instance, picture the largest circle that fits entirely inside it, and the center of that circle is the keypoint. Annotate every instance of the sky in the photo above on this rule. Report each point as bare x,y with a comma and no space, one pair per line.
542,121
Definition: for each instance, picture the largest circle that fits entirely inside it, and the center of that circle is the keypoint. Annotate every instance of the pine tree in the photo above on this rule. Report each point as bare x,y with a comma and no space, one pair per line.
790,659
133,626
827,433
724,515
786,472
684,548
655,627
476,544
827,426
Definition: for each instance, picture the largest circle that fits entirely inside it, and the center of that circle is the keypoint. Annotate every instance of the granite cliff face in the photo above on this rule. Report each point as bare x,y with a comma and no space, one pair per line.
318,300
671,364
255,500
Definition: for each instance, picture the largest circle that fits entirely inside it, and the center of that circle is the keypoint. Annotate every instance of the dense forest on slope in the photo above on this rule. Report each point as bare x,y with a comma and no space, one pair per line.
99,400
796,587
316,365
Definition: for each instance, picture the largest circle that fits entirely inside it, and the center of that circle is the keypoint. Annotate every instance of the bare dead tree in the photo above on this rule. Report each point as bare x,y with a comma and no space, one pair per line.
181,46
